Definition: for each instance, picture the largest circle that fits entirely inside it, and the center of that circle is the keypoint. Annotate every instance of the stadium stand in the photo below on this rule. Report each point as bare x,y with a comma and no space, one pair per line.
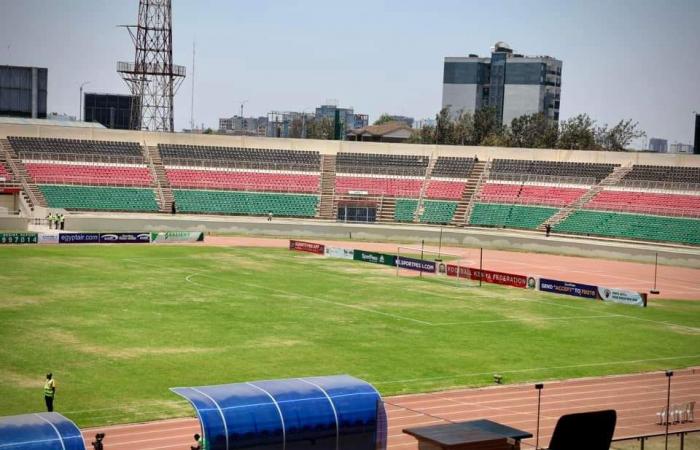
114,175
438,212
245,203
54,149
240,157
405,209
670,174
530,194
632,226
99,198
242,180
4,173
551,169
509,216
372,163
664,204
452,167
393,187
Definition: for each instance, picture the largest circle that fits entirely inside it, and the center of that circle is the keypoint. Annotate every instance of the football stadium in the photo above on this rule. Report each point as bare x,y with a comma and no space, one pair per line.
414,271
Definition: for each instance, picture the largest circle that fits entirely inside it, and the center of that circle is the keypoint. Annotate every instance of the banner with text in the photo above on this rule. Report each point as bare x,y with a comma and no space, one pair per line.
79,238
337,252
310,247
177,236
568,288
488,276
18,238
125,238
48,238
420,265
623,296
373,257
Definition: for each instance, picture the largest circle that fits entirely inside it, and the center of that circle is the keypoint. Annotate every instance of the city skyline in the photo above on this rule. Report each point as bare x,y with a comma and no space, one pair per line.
295,55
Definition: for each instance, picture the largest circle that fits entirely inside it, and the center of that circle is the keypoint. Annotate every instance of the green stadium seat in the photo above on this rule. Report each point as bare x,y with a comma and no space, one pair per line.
438,211
99,198
245,203
632,226
510,216
405,209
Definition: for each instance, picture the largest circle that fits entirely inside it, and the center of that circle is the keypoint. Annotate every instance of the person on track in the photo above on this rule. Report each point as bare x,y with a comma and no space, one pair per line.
49,391
201,443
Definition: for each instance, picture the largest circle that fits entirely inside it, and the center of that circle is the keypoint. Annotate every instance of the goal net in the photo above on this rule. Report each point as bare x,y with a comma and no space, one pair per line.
436,265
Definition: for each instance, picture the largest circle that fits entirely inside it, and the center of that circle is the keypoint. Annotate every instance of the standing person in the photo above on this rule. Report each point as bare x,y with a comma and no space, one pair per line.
62,220
547,230
49,391
269,216
48,220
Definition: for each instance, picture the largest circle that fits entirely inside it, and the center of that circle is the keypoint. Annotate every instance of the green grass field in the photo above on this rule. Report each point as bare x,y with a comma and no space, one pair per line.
120,325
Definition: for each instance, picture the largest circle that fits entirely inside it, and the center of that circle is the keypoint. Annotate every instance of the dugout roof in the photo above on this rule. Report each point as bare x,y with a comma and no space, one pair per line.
41,431
333,412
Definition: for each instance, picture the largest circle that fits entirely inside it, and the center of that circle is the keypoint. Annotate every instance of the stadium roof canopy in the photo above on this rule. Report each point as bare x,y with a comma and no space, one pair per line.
41,431
333,412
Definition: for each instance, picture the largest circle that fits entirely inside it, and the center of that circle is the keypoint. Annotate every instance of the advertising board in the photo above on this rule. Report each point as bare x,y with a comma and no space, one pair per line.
420,265
488,276
18,238
568,288
48,238
310,247
125,238
623,296
177,236
337,252
78,238
375,258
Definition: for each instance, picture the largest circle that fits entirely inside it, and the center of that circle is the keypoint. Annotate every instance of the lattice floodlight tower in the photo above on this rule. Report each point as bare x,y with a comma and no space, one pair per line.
152,78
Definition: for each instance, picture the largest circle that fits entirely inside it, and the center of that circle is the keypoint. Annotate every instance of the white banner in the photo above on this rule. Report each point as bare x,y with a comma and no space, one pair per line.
47,238
177,236
623,296
337,252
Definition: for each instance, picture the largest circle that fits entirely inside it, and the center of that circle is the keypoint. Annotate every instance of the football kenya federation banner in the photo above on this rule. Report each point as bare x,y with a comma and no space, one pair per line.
623,296
488,276
177,236
337,252
310,247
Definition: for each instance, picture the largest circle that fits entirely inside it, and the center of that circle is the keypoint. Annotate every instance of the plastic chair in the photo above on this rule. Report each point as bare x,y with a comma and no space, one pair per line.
584,431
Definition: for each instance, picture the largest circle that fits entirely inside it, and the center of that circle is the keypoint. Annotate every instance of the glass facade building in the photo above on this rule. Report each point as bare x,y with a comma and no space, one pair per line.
111,110
512,84
23,91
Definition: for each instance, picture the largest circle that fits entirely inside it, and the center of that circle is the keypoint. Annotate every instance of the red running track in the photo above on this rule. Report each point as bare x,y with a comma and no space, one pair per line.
636,398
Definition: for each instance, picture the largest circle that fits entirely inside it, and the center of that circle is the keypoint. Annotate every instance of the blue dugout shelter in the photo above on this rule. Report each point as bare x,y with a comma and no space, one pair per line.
329,413
40,431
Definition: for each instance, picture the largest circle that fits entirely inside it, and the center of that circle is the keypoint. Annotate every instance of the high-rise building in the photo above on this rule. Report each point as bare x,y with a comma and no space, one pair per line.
111,110
348,118
250,126
23,91
513,84
697,134
680,148
658,145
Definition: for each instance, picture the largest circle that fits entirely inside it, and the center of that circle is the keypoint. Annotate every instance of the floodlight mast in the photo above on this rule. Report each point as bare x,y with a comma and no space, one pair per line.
152,78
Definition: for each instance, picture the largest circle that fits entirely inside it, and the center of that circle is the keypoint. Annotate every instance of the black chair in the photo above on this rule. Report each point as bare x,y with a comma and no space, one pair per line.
584,431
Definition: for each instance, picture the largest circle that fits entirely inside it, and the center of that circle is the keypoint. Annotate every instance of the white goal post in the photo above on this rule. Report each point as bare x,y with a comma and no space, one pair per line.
412,261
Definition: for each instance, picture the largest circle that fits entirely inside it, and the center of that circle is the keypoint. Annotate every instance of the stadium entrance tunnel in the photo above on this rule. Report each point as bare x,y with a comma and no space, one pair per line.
326,413
41,431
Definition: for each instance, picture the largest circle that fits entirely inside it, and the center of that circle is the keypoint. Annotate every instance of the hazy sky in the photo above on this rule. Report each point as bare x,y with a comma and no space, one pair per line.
635,59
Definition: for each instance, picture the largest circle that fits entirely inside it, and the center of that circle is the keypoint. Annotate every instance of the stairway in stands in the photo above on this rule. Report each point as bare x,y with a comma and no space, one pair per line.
387,209
466,203
327,207
30,191
164,192
423,188
617,174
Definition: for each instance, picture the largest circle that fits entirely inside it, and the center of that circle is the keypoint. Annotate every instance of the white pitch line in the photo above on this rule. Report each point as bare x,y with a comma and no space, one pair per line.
476,322
534,369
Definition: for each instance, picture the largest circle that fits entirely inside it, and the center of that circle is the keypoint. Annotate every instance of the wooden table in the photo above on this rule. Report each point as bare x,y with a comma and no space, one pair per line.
474,435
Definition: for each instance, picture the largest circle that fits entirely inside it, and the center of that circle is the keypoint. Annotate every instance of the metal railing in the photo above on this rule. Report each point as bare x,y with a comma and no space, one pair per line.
82,158
660,185
223,164
678,440
657,210
547,179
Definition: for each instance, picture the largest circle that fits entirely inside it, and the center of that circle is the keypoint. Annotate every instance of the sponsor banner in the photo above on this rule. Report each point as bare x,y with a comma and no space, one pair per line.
488,276
125,238
48,238
78,238
567,288
373,257
420,265
623,296
18,238
310,247
337,252
177,236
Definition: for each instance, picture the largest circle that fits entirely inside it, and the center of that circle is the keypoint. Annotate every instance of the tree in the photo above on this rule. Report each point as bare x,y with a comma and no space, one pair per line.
320,129
619,137
444,128
464,129
384,118
208,131
424,135
485,124
578,133
533,131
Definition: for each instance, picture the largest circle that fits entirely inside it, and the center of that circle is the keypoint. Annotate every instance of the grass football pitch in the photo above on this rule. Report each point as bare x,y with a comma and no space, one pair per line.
120,325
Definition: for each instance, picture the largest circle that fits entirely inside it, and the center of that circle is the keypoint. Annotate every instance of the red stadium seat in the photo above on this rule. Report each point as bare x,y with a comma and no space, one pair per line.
451,190
395,187
530,194
243,181
48,173
646,202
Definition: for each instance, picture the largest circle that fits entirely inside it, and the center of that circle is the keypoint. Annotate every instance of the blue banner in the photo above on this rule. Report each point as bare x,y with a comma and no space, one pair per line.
125,238
78,238
420,265
567,288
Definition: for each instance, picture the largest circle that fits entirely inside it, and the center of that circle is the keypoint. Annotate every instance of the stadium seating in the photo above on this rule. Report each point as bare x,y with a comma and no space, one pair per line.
253,158
405,209
245,203
243,180
672,174
632,226
444,189
510,216
393,187
551,169
530,194
48,173
99,198
4,173
370,163
438,211
55,149
646,202
452,167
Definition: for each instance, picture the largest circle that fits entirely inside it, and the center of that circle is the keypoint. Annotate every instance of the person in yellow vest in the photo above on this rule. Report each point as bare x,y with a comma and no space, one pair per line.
49,391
